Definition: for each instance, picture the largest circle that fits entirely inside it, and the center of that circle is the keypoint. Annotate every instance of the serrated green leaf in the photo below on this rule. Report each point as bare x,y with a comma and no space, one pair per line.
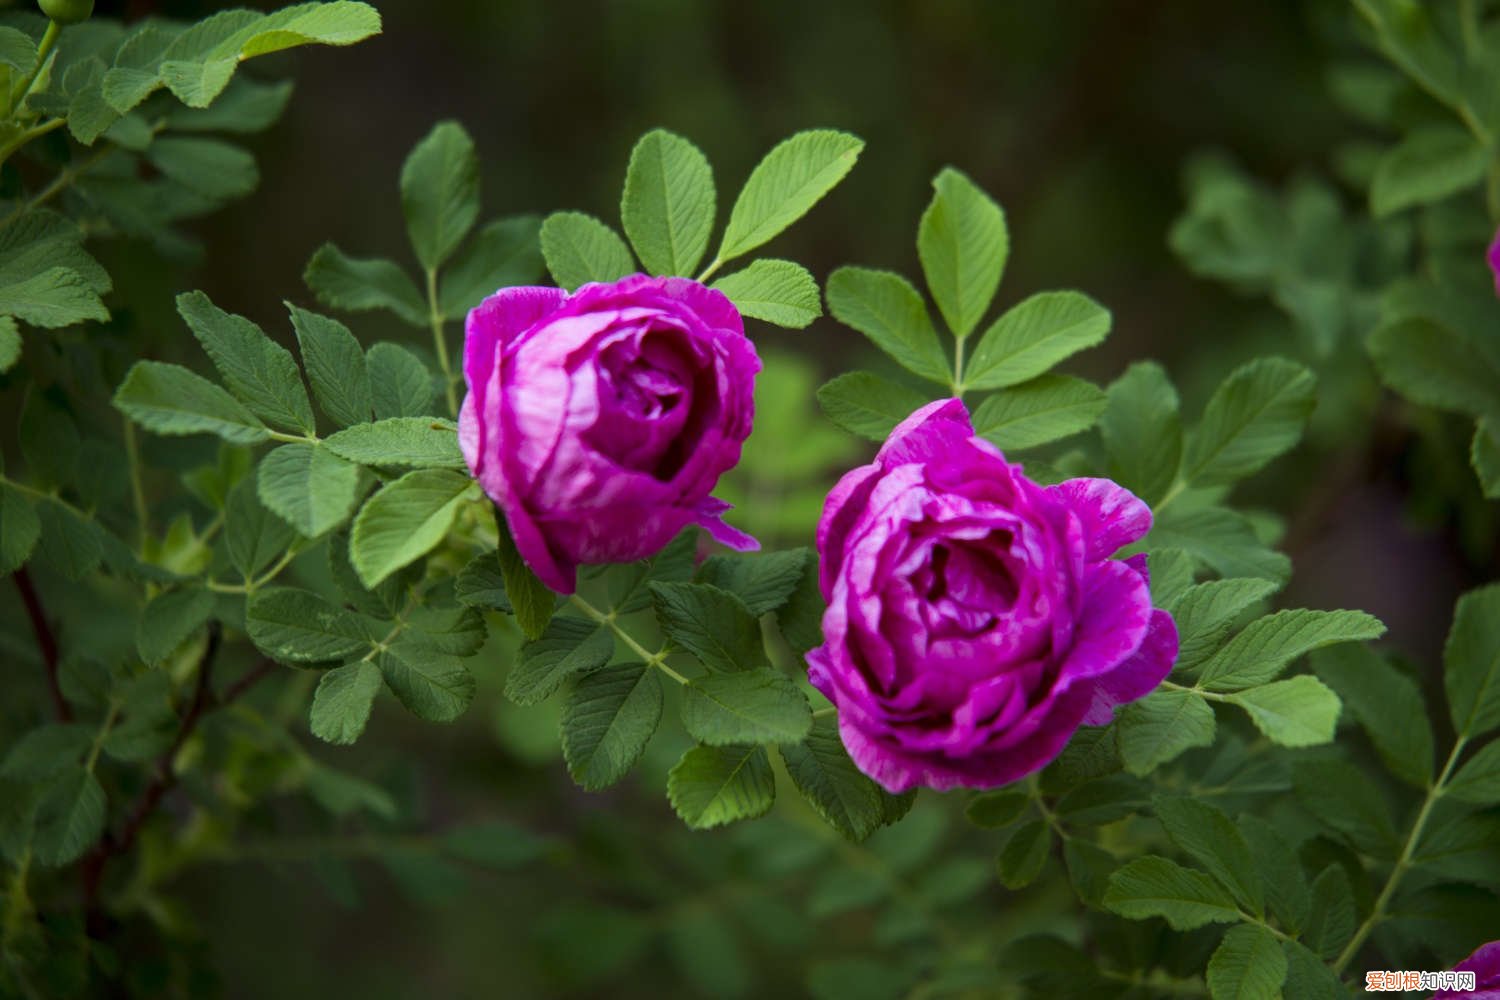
1248,965
1264,648
1025,852
405,521
1286,886
821,769
1162,726
963,243
1142,431
19,530
863,403
993,810
246,106
69,818
886,308
440,193
209,167
400,385
503,253
343,282
578,249
298,626
777,291
46,751
1045,409
341,705
668,204
444,628
1297,712
309,487
1103,800
10,346
408,442
1484,454
801,618
1478,780
1331,916
335,365
1031,337
1436,366
529,596
711,786
480,584
712,624
260,372
1204,612
569,647
1429,164
1471,662
72,544
169,619
1221,539
1256,414
751,706
763,582
1345,802
1156,887
789,181
607,721
432,686
54,298
1211,839
253,536
1387,703
1171,575
1309,977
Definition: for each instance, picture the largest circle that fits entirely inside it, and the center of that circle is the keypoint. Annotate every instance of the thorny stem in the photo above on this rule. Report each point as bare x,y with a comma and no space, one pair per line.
46,642
439,342
657,659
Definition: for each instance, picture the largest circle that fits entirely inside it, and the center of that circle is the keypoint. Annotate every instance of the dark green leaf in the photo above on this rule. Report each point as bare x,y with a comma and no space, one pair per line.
1265,647
609,718
335,366
1045,409
529,596
309,487
1387,703
711,624
400,384
1162,726
711,786
1024,854
763,582
262,373
298,626
1212,840
750,706
1471,662
343,282
341,705
440,193
1248,965
1142,431
432,686
169,619
503,253
569,647
1155,887
863,403
1256,414
1030,338
169,399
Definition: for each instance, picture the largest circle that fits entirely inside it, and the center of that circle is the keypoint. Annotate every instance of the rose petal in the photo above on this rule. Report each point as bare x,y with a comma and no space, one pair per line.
1139,675
1112,516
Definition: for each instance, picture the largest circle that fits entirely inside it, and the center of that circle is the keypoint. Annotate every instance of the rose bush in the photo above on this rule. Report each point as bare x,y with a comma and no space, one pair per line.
600,421
975,619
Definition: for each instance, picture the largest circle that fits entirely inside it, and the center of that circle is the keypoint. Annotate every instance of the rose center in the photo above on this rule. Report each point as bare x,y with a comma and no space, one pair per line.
969,583
646,400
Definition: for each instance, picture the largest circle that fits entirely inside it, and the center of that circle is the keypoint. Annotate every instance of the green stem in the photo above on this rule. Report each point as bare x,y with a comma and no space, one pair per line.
292,438
657,659
251,586
824,713
102,735
1377,912
43,51
439,342
958,369
137,491
1173,492
708,271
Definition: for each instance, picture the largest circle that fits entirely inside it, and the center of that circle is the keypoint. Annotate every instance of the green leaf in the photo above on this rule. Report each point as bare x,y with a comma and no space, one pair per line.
411,442
1162,726
1478,780
298,626
607,721
169,619
245,106
335,366
801,618
53,298
1297,712
444,628
1471,662
532,601
404,521
208,167
343,282
71,543
1265,647
1345,802
1045,409
579,249
668,204
706,951
863,403
1387,703
1256,414
1248,965
711,624
1142,431
19,530
1331,917
837,790
569,647
262,373
341,705
993,810
1171,575
1286,885
1212,840
47,751
432,686
69,818
752,706
1033,336
776,291
1025,852
480,584
764,582
1103,800
1155,887
1429,164
1309,977
711,786
1089,868
963,242
400,384
503,253
10,348
789,181
169,399
49,441
884,306
440,193
1221,539
309,487
1436,366
1484,454
253,536
1204,613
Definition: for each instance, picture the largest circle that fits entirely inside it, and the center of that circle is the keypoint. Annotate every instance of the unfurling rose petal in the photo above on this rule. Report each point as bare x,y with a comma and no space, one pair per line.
1485,965
599,422
976,619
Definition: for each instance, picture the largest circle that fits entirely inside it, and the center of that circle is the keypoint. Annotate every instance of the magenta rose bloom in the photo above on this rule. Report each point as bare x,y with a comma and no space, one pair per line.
600,421
1494,258
1485,964
975,619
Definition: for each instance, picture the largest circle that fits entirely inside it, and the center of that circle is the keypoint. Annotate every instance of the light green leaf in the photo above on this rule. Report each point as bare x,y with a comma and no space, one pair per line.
335,366
863,403
1256,414
963,243
1045,409
298,626
411,442
569,647
1221,539
253,536
405,521
668,204
1210,838
309,487
776,291
711,624
169,399
69,817
246,106
19,530
208,167
792,178
1171,575
343,282
609,718
1205,612
341,705
400,385
579,249
1429,164
1387,703
822,771
1471,662
1436,366
886,308
503,253
1265,647
1031,337
1248,965
1162,726
532,600
1142,431
169,619
752,706
440,193
432,686
1156,887
53,298
1478,781
262,373
711,786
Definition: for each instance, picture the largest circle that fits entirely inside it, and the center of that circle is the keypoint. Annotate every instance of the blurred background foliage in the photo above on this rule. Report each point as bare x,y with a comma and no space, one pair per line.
1080,117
